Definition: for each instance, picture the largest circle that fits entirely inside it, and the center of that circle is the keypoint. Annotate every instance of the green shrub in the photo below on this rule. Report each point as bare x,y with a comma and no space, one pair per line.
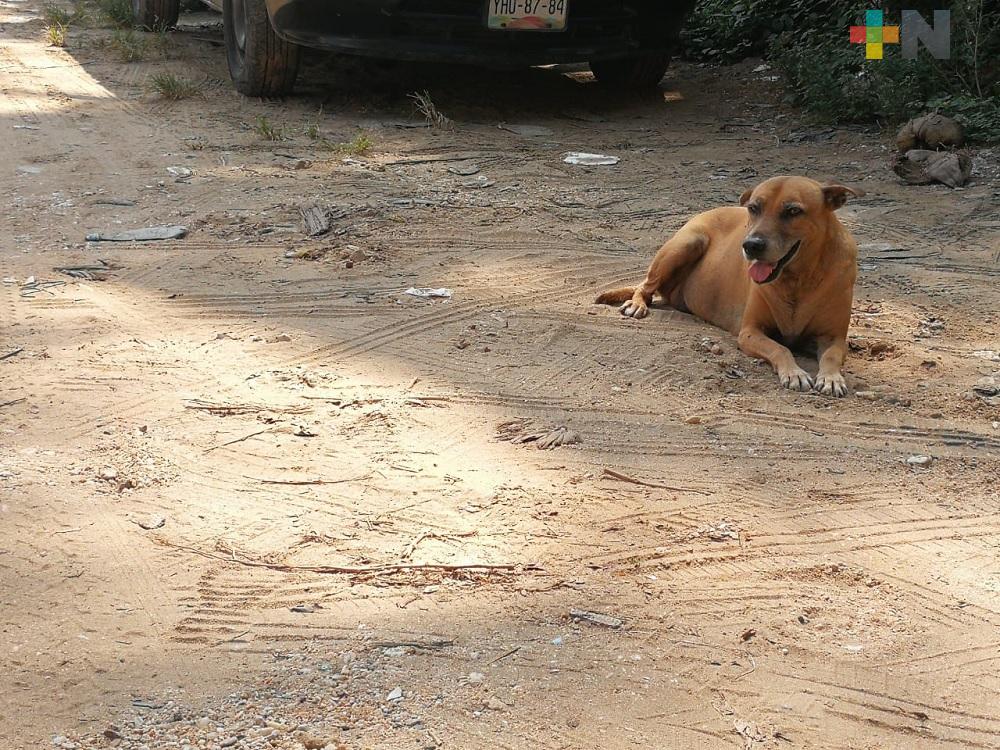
56,16
807,41
728,31
117,12
979,117
836,84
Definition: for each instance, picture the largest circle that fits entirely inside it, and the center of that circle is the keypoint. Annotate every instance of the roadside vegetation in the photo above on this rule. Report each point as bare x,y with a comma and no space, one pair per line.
360,145
133,46
807,43
173,87
117,12
267,130
56,34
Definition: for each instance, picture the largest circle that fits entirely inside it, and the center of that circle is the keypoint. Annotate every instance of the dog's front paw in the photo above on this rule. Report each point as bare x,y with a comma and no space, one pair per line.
832,384
633,309
796,380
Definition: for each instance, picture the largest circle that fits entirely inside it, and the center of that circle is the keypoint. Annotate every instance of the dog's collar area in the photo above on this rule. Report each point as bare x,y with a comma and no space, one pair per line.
782,263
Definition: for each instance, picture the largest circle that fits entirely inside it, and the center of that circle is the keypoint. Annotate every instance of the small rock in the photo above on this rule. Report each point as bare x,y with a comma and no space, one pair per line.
919,460
596,618
396,694
475,678
280,338
181,173
228,742
464,170
315,743
693,420
495,704
987,386
803,620
150,522
747,634
108,473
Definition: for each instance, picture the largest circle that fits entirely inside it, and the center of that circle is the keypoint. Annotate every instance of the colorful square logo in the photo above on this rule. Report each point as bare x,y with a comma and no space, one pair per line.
874,34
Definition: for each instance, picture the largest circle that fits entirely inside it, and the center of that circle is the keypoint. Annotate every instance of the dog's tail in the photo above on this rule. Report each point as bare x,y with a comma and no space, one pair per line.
615,296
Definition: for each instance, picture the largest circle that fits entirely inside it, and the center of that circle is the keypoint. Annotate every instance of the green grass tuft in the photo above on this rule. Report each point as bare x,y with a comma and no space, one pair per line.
267,131
56,35
128,45
360,145
172,87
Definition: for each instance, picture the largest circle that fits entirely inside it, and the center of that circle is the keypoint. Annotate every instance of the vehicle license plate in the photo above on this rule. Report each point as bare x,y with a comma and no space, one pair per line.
527,15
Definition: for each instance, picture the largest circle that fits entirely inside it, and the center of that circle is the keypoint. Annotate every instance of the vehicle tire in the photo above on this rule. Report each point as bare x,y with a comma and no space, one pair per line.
155,15
261,63
632,72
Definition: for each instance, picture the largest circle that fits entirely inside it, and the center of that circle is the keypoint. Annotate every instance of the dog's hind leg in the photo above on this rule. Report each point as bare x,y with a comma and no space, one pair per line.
669,268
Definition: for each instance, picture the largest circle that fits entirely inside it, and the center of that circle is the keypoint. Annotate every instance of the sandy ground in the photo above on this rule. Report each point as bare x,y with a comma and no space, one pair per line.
324,454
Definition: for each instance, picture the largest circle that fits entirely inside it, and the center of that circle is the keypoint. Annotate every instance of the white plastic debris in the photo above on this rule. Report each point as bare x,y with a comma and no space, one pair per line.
464,170
590,160
140,235
427,292
478,182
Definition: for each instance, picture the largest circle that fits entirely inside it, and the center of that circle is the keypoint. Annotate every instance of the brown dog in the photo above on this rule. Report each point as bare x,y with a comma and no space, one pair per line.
779,269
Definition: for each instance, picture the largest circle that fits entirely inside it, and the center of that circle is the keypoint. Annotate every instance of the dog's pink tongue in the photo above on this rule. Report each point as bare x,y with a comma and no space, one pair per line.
759,271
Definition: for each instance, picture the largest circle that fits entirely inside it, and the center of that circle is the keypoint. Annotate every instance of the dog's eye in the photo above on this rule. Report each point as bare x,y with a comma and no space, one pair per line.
754,209
792,211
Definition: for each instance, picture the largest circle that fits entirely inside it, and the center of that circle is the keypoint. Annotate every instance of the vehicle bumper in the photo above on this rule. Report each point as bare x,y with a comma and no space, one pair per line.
455,30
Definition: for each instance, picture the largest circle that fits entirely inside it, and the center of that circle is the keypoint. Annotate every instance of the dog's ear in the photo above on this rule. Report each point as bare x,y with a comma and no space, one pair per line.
746,196
836,195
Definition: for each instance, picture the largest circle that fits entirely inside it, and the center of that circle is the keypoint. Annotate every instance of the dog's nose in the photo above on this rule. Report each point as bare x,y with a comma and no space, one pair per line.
754,246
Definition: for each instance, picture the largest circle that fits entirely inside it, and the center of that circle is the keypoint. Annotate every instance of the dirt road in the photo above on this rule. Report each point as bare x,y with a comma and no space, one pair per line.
332,512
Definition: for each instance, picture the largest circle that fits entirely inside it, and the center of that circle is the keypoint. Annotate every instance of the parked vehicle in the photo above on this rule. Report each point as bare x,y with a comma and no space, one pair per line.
626,42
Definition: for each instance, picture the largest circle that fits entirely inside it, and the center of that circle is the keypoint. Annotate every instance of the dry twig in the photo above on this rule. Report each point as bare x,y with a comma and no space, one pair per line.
388,568
612,474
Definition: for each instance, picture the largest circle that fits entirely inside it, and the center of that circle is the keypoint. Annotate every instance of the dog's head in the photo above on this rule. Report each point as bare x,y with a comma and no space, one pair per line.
784,213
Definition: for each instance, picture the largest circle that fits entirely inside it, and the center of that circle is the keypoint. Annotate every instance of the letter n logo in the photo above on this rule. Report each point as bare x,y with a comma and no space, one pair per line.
936,38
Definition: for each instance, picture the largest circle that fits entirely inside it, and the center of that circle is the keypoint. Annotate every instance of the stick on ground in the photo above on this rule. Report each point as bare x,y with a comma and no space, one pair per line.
345,569
612,474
